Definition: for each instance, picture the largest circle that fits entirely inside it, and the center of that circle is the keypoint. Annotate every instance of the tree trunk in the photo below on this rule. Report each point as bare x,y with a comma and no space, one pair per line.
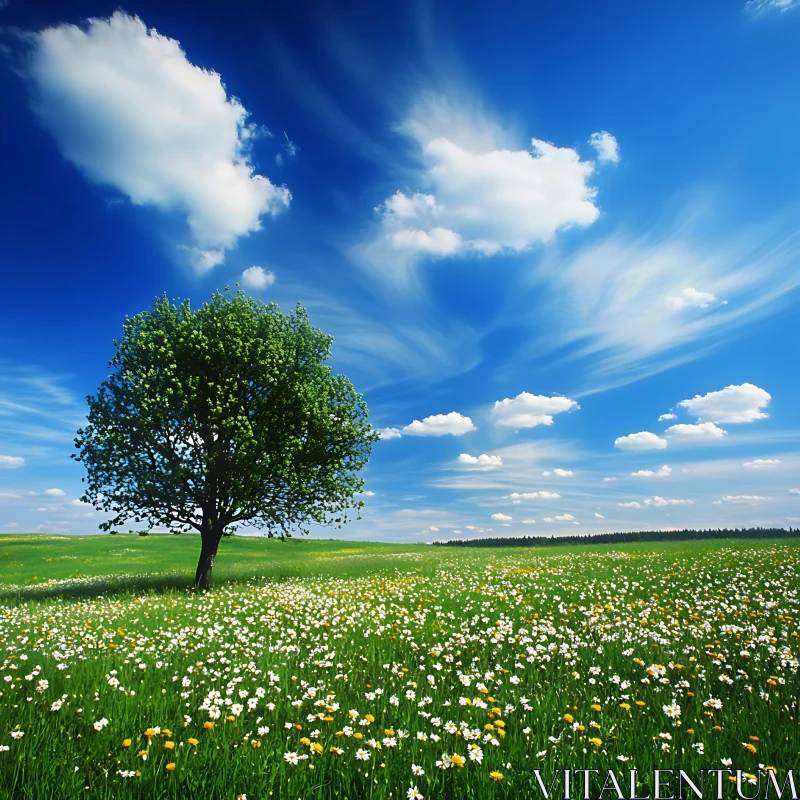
209,537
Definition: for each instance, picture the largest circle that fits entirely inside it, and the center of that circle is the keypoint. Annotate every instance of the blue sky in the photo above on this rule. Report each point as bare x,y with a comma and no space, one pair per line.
559,252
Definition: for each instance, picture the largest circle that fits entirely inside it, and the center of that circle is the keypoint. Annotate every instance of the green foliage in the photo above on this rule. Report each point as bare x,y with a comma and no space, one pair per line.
224,415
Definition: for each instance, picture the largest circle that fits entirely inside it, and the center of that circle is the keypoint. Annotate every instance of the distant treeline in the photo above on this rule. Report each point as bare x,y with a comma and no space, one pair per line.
630,536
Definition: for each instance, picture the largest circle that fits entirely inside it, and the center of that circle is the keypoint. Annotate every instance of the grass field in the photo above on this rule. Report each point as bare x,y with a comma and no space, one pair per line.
319,669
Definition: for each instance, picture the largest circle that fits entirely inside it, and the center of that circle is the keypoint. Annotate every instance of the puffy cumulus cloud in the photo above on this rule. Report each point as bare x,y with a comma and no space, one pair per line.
529,410
258,278
762,462
11,462
561,473
81,504
703,432
630,504
492,201
368,494
606,147
562,518
650,473
644,440
660,502
54,492
389,433
690,297
517,496
453,424
482,461
744,403
742,498
529,522
501,517
483,194
669,415
128,108
598,516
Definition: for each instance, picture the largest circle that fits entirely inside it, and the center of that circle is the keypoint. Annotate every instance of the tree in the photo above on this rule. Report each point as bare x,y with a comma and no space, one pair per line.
224,415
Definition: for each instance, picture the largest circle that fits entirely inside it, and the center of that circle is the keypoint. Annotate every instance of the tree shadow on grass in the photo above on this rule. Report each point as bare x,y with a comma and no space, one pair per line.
90,588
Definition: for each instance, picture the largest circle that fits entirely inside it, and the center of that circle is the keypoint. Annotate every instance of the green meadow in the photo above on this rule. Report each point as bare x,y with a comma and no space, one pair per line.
332,669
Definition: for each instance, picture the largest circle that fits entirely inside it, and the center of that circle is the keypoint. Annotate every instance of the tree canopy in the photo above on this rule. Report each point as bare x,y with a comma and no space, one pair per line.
222,415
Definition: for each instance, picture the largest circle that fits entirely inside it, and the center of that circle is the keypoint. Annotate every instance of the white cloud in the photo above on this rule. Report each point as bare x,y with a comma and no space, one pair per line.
482,461
598,516
631,504
368,494
606,146
453,424
761,462
564,518
649,473
689,297
644,440
483,194
660,502
258,278
389,433
563,473
501,517
128,108
742,403
794,491
703,432
761,6
79,503
54,492
529,522
742,498
607,300
432,528
11,462
529,410
667,416
609,480
516,496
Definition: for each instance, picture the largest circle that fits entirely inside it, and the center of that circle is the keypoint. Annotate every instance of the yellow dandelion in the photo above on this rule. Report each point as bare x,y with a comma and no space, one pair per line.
171,766
596,706
595,741
569,718
208,725
459,761
496,776
193,742
169,745
126,742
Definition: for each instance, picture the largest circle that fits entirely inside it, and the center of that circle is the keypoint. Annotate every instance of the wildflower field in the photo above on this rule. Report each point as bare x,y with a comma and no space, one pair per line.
366,671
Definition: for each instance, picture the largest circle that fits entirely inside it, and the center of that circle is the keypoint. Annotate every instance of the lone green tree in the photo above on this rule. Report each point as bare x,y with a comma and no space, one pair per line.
222,415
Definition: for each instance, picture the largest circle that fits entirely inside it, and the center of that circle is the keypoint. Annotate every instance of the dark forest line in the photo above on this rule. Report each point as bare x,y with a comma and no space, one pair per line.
629,536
